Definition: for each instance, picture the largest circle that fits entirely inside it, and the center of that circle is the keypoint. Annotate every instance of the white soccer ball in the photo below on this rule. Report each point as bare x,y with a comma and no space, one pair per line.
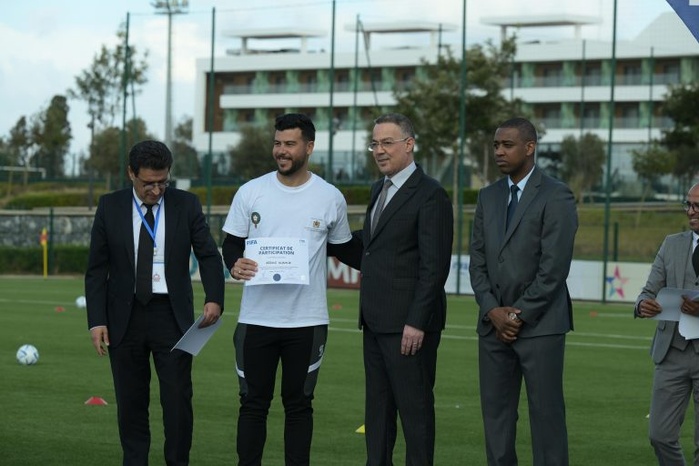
27,355
81,302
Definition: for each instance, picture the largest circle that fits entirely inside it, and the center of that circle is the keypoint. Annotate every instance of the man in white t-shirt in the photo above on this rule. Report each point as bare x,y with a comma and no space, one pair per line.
281,321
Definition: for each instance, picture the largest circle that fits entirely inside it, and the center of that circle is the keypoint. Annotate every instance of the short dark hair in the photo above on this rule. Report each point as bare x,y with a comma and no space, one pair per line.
525,127
296,120
149,154
406,126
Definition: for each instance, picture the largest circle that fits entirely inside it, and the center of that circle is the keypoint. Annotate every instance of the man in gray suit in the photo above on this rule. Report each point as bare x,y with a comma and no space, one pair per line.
676,372
521,250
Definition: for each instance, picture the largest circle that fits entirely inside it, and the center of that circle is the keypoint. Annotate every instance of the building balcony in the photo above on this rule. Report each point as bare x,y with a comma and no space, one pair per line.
593,81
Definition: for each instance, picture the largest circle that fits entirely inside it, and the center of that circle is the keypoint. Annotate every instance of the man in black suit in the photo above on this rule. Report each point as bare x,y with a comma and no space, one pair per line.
404,264
521,250
140,299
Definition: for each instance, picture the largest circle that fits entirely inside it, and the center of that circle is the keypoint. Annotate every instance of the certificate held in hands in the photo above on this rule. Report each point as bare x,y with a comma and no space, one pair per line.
279,260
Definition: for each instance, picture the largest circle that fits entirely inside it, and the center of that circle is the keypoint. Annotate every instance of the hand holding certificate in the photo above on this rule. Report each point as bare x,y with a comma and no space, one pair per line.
671,301
279,260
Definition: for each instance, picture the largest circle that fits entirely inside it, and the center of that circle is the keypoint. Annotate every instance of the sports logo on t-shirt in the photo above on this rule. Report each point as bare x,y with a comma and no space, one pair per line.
317,224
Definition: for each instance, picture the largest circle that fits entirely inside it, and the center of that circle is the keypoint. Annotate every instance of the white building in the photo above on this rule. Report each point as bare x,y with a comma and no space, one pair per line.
252,87
565,83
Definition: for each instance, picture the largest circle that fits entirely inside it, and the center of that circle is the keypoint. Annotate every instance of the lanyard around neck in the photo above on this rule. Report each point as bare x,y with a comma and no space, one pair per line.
151,231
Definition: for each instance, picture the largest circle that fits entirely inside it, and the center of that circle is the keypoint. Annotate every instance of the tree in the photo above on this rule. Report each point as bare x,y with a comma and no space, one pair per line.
433,102
683,137
20,143
650,164
101,86
186,164
582,162
105,153
6,157
51,135
252,157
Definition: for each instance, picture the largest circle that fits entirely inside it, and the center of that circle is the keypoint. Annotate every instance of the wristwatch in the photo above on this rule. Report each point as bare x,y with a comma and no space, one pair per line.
513,316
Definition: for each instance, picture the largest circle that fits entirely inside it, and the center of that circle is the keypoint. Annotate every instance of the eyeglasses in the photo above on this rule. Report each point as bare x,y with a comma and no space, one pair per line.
151,186
385,144
690,206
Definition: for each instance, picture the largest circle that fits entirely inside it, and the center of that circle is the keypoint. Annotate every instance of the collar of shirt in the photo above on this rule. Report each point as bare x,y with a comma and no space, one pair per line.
397,181
522,183
402,176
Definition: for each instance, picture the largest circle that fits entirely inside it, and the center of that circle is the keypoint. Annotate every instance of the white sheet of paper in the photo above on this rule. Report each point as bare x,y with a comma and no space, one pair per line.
689,327
670,299
279,260
195,338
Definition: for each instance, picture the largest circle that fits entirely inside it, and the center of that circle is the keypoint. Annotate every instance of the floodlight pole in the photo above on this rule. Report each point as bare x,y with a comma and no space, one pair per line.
330,176
608,182
210,118
462,143
169,7
122,139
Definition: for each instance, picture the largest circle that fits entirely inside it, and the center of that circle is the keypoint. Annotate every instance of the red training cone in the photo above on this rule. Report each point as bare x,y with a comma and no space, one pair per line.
95,401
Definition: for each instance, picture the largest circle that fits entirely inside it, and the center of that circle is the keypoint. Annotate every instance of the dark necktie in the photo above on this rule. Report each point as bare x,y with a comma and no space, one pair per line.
512,206
695,259
144,262
380,204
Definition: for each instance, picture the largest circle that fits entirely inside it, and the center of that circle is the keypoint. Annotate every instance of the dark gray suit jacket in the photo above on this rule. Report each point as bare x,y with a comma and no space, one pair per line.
668,270
526,266
406,262
110,278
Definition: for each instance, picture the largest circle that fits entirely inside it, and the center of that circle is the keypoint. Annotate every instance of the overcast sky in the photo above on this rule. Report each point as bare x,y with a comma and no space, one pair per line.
45,44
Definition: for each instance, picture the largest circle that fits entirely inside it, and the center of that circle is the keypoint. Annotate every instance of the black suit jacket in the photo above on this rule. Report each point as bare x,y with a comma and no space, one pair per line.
406,262
111,277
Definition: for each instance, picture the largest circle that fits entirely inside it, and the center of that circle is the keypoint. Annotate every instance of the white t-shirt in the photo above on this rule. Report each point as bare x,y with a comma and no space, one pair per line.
316,211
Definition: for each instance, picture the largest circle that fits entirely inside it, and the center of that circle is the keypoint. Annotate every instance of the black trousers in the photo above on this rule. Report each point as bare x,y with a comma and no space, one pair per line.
258,352
399,386
152,331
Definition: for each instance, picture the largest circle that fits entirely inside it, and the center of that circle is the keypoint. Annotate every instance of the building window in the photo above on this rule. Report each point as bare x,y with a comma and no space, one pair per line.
404,78
630,74
549,75
342,81
308,81
277,83
240,83
309,112
370,79
549,115
591,116
593,74
627,116
667,73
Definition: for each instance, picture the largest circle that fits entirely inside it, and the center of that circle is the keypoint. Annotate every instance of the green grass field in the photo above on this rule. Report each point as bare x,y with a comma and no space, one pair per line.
45,421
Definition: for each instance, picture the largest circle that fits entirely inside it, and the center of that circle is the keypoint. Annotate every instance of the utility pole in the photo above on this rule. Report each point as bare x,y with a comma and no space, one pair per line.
169,8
